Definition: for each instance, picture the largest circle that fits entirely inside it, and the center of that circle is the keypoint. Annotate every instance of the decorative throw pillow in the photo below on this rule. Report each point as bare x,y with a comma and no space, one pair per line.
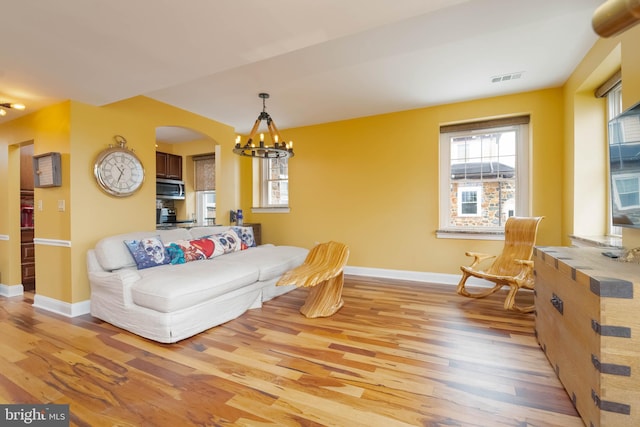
176,254
206,246
246,236
191,253
225,242
148,252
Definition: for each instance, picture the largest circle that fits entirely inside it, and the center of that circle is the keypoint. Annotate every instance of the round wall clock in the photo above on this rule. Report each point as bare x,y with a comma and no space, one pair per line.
118,170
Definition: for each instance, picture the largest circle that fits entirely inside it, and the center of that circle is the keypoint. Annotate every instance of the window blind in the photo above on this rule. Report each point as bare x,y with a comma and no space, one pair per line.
205,171
485,124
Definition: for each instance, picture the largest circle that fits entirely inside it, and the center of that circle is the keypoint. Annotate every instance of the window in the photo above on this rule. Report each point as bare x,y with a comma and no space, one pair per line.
483,175
469,201
271,190
205,187
614,108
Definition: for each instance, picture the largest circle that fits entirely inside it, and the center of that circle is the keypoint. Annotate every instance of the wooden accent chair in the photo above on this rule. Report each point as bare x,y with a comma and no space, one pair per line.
322,270
513,268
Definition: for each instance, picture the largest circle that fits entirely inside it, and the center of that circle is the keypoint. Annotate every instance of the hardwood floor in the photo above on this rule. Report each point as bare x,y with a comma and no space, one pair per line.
397,354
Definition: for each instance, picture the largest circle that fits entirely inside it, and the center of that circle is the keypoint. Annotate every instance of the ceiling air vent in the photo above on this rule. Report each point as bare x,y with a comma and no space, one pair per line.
506,77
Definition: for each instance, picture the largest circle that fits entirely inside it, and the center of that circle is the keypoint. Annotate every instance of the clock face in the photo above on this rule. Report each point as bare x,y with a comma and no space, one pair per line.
119,172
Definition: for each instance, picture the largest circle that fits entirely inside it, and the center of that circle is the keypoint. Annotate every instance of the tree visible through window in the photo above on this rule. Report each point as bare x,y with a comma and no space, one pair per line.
484,173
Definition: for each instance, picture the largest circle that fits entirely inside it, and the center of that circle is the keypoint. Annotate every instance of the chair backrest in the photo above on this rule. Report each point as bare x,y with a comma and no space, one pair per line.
331,255
519,240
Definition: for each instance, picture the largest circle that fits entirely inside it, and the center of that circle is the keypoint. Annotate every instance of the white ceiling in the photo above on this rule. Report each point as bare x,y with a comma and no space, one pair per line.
320,60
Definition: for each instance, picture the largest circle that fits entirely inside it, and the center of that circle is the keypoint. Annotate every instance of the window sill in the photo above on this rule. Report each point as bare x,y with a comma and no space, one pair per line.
470,234
596,241
271,210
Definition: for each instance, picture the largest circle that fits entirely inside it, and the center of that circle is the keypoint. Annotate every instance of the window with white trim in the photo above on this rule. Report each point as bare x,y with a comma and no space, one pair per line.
484,174
204,167
469,201
271,189
614,108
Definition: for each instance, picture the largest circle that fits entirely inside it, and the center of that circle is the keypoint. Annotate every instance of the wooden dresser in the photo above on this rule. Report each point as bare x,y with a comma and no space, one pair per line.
257,231
588,325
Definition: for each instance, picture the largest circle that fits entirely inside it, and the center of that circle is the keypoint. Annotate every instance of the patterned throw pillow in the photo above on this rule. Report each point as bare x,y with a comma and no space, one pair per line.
225,242
176,254
149,252
246,236
206,246
191,252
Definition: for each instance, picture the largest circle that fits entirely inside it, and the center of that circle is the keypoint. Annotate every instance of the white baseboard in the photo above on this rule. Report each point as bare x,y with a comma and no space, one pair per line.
62,307
11,291
415,276
84,307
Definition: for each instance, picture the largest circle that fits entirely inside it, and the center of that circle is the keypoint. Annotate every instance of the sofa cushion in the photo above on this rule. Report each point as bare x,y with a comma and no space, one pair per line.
148,252
271,261
173,287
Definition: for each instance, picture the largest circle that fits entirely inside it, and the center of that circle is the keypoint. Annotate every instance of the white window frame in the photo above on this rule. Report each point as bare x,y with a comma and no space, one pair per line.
522,205
204,208
614,108
467,189
261,189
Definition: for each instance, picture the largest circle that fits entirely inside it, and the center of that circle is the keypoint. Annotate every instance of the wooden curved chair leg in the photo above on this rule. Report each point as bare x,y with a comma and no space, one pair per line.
324,299
510,302
462,290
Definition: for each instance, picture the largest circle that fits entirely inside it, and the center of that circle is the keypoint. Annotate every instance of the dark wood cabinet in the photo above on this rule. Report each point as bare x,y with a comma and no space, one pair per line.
257,232
28,259
168,166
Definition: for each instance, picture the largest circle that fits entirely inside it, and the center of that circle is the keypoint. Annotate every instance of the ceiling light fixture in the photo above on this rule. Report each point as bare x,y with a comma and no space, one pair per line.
4,105
615,16
264,151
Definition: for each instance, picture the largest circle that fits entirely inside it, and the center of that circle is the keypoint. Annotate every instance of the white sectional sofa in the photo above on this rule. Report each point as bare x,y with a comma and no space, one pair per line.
169,302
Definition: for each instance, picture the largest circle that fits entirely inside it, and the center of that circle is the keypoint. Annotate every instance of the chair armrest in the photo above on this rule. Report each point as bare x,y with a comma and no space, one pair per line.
526,273
478,257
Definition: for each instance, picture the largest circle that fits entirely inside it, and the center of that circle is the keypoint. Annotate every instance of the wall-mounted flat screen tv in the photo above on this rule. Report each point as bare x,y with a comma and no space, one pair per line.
624,168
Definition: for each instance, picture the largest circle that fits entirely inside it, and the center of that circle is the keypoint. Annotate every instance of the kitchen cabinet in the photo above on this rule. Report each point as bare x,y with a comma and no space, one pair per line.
168,166
28,259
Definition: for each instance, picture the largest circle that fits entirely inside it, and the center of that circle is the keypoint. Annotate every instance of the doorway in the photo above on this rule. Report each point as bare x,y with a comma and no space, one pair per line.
27,224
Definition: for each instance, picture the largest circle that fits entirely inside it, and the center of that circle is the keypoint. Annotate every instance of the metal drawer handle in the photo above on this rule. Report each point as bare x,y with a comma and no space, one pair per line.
557,303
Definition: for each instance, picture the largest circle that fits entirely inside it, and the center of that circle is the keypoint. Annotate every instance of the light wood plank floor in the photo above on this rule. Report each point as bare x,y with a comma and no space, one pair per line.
397,354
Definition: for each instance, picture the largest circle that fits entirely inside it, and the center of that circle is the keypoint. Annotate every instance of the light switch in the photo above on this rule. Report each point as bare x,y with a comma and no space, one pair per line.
61,205
40,205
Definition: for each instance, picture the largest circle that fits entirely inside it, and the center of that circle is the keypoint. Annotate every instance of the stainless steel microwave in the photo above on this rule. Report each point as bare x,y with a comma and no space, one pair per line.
169,189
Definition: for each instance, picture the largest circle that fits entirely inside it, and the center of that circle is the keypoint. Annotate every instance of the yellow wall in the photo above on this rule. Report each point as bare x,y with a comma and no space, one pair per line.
585,173
49,131
80,132
372,183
